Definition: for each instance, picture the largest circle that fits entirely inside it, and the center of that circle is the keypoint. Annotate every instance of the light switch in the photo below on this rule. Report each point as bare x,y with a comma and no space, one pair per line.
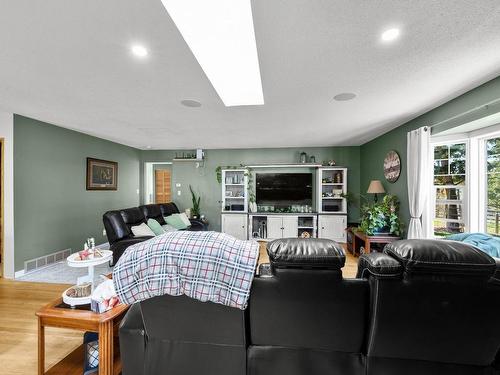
178,185
137,191
178,192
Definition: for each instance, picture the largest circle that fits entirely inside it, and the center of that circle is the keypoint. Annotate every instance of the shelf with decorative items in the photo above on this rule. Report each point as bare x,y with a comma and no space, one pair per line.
234,190
332,190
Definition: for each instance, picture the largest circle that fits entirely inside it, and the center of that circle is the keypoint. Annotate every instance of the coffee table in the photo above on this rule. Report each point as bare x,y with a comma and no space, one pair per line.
58,314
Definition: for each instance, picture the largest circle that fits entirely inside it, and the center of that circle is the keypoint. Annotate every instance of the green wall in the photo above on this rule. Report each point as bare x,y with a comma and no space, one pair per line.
53,211
373,152
204,181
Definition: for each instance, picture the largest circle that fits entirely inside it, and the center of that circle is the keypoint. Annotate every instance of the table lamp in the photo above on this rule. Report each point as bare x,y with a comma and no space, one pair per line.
375,188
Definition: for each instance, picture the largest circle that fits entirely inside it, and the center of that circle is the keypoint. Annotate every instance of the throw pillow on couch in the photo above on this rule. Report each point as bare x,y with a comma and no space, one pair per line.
178,221
142,230
156,227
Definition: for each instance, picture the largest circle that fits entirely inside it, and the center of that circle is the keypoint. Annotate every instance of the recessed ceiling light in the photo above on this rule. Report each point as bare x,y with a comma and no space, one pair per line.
344,96
390,35
190,103
148,147
139,51
221,36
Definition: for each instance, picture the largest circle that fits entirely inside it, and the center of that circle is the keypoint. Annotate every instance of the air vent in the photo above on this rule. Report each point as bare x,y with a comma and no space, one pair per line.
46,260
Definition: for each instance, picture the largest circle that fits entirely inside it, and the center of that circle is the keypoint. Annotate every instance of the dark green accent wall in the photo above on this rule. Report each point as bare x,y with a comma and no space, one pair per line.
373,152
52,209
204,181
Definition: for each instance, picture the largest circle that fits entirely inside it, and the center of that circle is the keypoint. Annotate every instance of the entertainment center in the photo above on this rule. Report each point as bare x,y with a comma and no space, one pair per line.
292,200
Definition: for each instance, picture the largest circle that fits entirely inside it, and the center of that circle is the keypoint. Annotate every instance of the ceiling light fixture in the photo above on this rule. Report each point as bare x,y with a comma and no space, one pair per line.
221,36
139,51
344,96
191,103
390,35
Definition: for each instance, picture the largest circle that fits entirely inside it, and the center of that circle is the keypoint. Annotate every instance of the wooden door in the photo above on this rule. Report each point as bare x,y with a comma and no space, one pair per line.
162,186
235,225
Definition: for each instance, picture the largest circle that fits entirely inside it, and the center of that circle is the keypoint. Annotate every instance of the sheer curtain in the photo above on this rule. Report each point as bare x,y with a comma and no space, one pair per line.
418,171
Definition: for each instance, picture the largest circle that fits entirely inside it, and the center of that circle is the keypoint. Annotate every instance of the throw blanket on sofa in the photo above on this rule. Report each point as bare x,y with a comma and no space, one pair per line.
484,242
207,266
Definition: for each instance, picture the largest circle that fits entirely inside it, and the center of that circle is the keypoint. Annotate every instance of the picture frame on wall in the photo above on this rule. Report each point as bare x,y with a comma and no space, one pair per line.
392,166
102,174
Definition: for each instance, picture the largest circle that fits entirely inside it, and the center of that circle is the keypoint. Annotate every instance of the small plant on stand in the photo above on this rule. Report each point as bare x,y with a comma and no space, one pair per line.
381,217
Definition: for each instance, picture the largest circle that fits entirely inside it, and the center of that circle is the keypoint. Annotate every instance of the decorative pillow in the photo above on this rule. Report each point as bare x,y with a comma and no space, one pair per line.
142,230
168,228
176,221
155,227
185,218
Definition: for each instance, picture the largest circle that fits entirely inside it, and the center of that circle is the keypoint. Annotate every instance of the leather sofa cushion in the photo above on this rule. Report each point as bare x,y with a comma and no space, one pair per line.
274,360
116,229
153,211
168,209
378,265
133,216
441,257
306,253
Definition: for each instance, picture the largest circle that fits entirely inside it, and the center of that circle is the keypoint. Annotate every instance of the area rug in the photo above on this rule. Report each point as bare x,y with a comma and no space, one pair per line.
61,273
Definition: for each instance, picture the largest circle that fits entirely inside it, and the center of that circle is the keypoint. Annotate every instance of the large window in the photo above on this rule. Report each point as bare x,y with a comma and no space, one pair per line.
492,147
450,183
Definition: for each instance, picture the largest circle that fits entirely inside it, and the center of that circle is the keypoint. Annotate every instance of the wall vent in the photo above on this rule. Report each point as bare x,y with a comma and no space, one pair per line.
46,260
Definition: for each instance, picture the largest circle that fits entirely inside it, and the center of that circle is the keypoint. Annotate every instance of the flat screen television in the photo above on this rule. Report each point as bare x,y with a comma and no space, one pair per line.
283,189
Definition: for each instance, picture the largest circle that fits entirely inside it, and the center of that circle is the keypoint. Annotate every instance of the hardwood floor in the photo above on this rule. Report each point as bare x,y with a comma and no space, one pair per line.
18,325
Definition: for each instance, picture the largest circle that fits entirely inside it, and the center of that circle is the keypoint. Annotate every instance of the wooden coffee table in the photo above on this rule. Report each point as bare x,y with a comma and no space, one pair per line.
58,314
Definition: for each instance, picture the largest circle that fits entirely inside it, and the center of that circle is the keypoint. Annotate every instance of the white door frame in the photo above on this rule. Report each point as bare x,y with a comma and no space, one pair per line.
149,180
7,133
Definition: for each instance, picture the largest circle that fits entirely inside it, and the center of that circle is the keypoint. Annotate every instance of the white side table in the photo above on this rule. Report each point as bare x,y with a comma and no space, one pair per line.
90,263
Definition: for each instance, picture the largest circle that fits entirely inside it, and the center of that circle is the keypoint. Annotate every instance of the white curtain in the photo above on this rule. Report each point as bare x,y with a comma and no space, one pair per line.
419,172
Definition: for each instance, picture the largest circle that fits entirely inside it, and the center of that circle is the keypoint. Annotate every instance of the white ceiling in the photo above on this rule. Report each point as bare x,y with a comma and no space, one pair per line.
69,63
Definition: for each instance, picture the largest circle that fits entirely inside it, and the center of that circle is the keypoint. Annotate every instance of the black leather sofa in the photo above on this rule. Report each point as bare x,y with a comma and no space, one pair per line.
118,223
421,307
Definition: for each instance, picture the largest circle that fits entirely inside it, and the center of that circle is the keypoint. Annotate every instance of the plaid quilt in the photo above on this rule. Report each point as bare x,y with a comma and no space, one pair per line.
207,266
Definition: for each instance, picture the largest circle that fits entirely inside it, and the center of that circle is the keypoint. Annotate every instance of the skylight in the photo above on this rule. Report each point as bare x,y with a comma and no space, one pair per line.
221,36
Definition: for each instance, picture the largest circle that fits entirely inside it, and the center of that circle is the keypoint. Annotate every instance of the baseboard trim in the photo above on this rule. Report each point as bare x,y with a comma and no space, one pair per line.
18,274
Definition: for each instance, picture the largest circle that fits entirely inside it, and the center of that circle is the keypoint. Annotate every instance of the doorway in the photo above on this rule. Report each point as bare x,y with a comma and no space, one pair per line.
157,182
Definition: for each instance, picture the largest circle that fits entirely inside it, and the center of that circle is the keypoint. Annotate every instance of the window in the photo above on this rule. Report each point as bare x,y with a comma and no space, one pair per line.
449,188
492,195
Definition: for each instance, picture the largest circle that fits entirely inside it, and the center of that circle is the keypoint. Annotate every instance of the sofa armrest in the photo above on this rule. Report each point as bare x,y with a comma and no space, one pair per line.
378,265
132,341
197,225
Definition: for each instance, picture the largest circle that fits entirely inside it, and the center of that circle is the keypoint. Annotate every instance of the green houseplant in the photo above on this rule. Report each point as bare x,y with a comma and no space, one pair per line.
381,217
195,210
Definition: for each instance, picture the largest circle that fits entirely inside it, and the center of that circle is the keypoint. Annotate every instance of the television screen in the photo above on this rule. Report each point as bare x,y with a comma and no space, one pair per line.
283,189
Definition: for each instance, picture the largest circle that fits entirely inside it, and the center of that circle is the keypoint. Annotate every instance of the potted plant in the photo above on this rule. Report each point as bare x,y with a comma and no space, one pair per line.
381,217
195,210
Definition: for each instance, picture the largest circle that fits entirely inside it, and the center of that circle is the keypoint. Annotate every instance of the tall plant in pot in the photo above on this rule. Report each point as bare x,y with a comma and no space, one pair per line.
381,217
195,210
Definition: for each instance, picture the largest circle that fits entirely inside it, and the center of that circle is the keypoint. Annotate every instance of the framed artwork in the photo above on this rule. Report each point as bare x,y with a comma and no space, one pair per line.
102,174
392,166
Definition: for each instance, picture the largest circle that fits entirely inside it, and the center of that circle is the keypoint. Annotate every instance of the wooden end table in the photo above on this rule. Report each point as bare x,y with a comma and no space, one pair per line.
368,240
58,314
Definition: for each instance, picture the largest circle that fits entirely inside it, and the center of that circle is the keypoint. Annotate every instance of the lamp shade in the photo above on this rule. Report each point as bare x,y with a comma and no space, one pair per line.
375,187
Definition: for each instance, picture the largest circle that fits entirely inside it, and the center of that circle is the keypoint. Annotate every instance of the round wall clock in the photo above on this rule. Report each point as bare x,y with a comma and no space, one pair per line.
392,166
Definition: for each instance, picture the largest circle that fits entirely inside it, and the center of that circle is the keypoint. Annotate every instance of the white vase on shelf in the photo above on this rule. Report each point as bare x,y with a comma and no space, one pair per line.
252,206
